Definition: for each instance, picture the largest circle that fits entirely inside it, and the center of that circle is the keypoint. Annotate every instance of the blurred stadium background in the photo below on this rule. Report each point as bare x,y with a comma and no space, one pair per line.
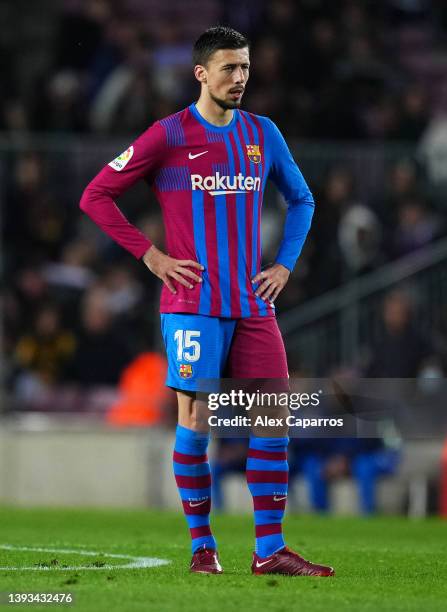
359,88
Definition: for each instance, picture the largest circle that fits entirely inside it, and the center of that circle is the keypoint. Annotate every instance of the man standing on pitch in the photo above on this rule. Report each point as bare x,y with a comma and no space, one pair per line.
208,165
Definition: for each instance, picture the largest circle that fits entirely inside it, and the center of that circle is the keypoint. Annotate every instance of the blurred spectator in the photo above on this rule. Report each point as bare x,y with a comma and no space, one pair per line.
79,32
416,227
130,303
37,219
318,58
14,118
172,64
74,269
359,236
71,276
124,292
402,183
101,352
413,115
382,118
120,36
60,107
41,355
364,74
322,461
127,103
123,98
336,198
268,83
28,291
401,348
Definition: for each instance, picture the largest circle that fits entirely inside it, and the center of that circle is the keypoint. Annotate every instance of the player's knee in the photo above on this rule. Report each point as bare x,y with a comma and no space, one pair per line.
198,420
191,413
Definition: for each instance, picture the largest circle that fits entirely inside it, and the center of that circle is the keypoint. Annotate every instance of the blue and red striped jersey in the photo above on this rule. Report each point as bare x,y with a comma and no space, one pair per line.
209,181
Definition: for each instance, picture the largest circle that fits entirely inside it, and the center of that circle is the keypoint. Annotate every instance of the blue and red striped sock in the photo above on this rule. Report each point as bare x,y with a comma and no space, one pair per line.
267,478
193,478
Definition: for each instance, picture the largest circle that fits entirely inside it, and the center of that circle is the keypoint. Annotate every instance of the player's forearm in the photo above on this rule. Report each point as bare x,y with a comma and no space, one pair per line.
296,228
103,211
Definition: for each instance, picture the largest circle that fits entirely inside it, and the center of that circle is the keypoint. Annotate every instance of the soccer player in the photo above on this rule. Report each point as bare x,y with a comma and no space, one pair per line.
208,166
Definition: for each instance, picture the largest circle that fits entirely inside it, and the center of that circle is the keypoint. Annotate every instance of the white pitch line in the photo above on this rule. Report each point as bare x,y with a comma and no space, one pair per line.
135,563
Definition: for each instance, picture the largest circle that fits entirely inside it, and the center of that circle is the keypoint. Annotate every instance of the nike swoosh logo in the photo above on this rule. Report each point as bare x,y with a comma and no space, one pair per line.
191,156
279,498
198,503
263,563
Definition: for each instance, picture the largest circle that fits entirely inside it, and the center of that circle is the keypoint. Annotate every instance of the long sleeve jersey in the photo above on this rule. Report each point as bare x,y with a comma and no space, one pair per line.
210,182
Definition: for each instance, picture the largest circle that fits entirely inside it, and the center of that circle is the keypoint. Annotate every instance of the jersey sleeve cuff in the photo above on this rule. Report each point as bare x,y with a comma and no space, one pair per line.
286,262
142,250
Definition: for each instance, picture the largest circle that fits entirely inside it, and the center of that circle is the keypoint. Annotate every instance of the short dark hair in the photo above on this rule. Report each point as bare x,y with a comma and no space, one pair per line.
215,38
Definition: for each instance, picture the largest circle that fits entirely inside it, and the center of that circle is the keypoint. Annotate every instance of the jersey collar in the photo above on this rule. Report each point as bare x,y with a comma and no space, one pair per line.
210,126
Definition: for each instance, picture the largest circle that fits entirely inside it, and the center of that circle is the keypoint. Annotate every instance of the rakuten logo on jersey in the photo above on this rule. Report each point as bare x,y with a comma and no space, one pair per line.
221,184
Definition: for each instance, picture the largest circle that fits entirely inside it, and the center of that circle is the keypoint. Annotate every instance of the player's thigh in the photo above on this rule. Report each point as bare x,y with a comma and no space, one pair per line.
197,347
257,350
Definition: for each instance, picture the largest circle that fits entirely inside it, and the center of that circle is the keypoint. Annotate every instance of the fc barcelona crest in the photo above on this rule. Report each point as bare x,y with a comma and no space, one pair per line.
185,370
254,153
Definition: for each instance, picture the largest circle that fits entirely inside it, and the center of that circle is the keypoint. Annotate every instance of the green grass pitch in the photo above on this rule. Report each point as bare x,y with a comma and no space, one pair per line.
381,563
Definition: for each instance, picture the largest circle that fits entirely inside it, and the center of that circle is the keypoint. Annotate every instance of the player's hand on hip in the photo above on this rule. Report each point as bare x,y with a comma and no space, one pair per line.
272,281
168,268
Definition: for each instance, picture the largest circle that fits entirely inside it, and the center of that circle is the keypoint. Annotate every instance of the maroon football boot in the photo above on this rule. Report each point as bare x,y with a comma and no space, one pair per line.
287,562
205,561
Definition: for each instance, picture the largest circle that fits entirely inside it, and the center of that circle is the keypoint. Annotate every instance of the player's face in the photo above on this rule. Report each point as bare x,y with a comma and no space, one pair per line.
226,75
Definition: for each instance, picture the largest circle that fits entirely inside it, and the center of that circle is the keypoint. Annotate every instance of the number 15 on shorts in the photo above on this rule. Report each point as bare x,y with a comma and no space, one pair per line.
188,348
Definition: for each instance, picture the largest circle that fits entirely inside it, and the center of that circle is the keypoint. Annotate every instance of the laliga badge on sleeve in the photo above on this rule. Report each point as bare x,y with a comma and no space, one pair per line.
122,160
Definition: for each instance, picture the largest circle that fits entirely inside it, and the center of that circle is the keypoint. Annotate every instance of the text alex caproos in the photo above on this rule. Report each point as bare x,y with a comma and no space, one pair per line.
246,401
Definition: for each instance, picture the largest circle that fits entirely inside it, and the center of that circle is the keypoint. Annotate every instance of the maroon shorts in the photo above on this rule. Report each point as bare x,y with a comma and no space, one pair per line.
257,350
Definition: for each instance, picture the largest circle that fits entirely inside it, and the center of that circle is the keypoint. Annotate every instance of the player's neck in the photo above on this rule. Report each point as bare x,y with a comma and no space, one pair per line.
213,113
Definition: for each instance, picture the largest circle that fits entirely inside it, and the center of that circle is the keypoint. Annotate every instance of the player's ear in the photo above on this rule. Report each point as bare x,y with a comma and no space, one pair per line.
200,73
